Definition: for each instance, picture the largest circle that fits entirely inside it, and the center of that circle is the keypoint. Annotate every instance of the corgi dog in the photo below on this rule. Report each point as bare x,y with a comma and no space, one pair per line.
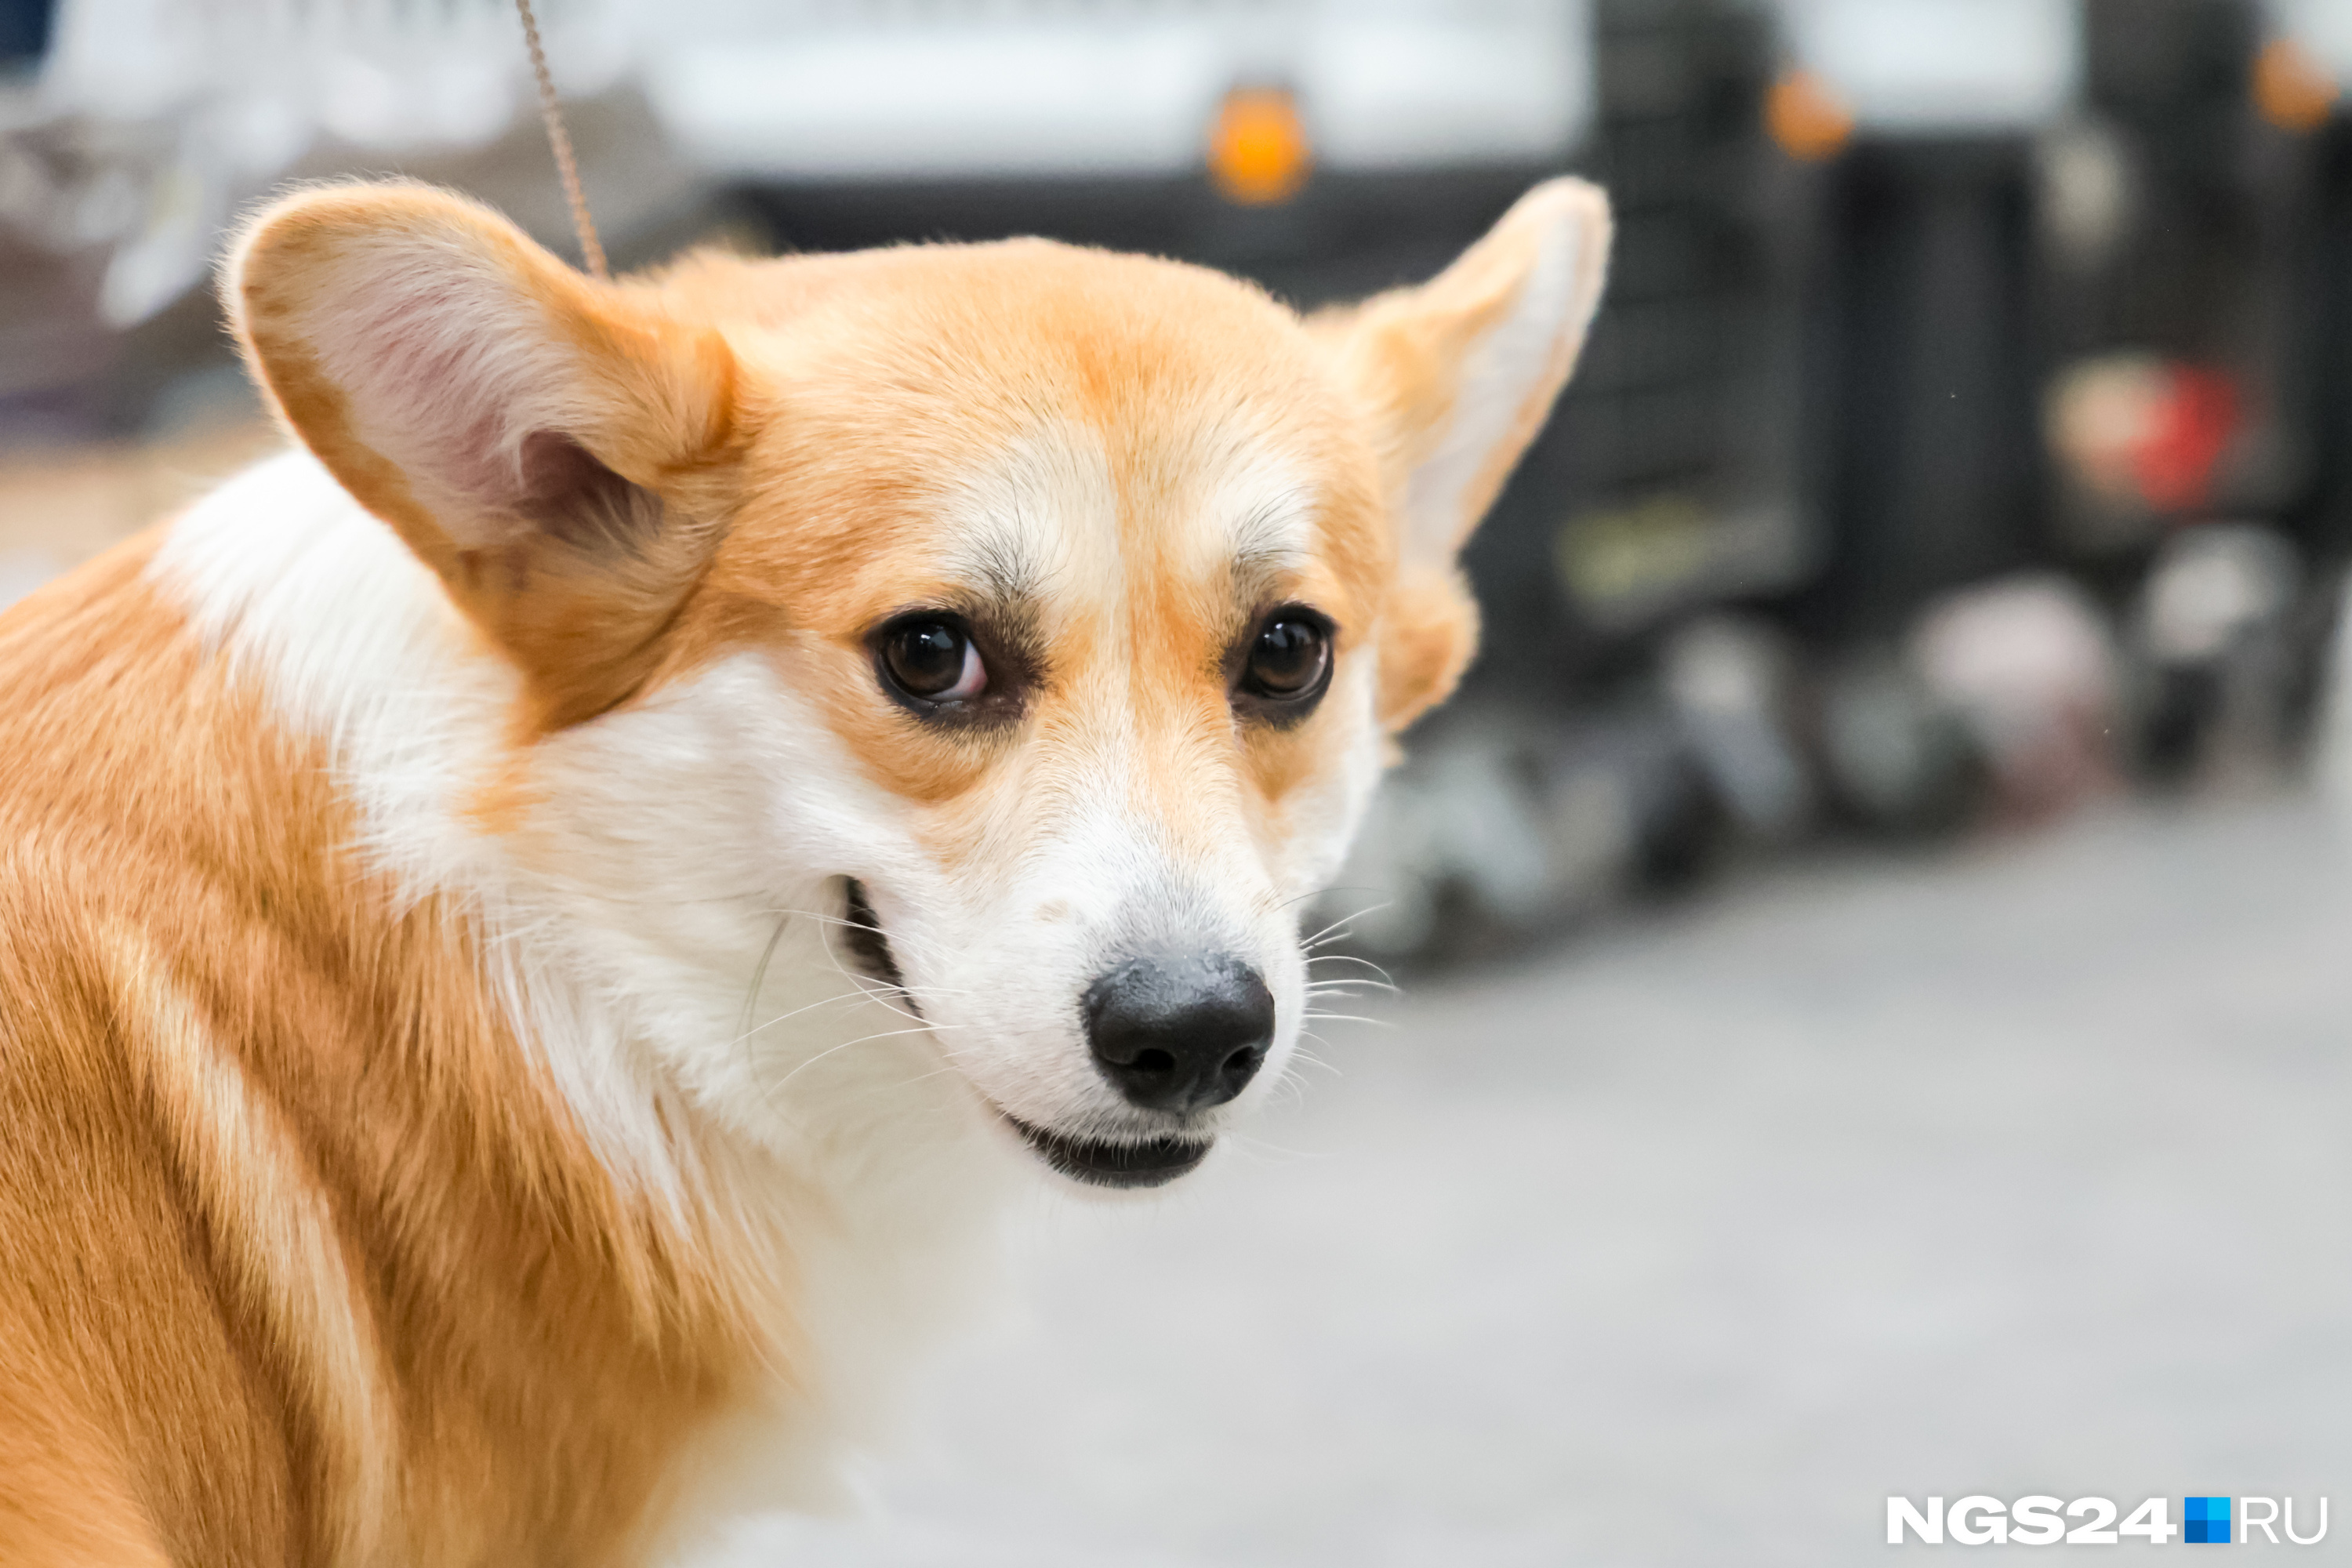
539,928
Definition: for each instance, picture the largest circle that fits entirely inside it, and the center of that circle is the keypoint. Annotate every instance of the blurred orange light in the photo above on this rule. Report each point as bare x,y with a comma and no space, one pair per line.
1258,151
1805,117
2290,90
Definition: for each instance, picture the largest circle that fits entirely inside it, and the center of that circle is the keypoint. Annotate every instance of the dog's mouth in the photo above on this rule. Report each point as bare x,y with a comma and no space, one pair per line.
1095,1162
1099,1163
868,948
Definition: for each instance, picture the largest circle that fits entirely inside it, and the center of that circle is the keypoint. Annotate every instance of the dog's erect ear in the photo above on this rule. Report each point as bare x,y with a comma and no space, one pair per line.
1458,375
557,450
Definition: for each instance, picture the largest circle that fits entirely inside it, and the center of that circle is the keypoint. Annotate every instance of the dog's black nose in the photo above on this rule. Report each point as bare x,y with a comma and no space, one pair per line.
1180,1032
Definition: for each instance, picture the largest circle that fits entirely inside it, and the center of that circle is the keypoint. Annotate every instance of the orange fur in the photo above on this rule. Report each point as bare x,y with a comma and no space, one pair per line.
296,1250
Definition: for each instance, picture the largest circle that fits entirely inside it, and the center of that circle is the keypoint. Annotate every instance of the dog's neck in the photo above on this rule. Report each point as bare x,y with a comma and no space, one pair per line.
781,1114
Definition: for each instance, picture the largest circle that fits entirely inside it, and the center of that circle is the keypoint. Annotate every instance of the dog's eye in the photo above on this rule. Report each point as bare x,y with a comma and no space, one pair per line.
1290,657
933,661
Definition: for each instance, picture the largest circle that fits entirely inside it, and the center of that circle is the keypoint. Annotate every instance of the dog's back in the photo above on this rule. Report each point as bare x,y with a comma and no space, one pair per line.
135,1412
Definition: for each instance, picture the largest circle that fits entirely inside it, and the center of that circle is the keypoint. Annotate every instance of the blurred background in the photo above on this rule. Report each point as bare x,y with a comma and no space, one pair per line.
1962,441
1866,913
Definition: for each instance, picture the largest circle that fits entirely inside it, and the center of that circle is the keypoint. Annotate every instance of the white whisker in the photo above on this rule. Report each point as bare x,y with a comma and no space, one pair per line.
1385,977
1337,929
833,1050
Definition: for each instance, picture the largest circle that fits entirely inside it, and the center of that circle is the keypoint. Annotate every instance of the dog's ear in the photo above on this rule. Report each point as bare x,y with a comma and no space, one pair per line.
1457,376
558,452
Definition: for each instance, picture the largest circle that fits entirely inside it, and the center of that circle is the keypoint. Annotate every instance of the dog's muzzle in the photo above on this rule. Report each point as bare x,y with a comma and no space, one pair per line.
1174,1033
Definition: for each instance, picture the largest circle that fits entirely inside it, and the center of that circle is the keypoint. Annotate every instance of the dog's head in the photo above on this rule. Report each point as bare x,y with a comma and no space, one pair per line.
1053,606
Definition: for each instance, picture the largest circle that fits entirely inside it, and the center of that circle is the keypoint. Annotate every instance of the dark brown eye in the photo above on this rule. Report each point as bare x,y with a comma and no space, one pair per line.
1290,657
933,660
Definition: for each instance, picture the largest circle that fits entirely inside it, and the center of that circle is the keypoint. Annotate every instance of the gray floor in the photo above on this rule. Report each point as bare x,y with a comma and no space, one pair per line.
2024,1170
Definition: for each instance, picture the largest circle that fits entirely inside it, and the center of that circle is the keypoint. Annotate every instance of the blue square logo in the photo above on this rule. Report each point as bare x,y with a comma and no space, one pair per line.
2205,1519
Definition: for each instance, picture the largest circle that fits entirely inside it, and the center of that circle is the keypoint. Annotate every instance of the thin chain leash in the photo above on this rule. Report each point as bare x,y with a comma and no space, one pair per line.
567,167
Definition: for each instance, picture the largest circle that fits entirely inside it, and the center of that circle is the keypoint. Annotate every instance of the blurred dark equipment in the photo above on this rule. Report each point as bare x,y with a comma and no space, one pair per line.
2197,412
25,29
2321,300
1899,760
1920,377
1342,237
2216,624
2177,385
1662,483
